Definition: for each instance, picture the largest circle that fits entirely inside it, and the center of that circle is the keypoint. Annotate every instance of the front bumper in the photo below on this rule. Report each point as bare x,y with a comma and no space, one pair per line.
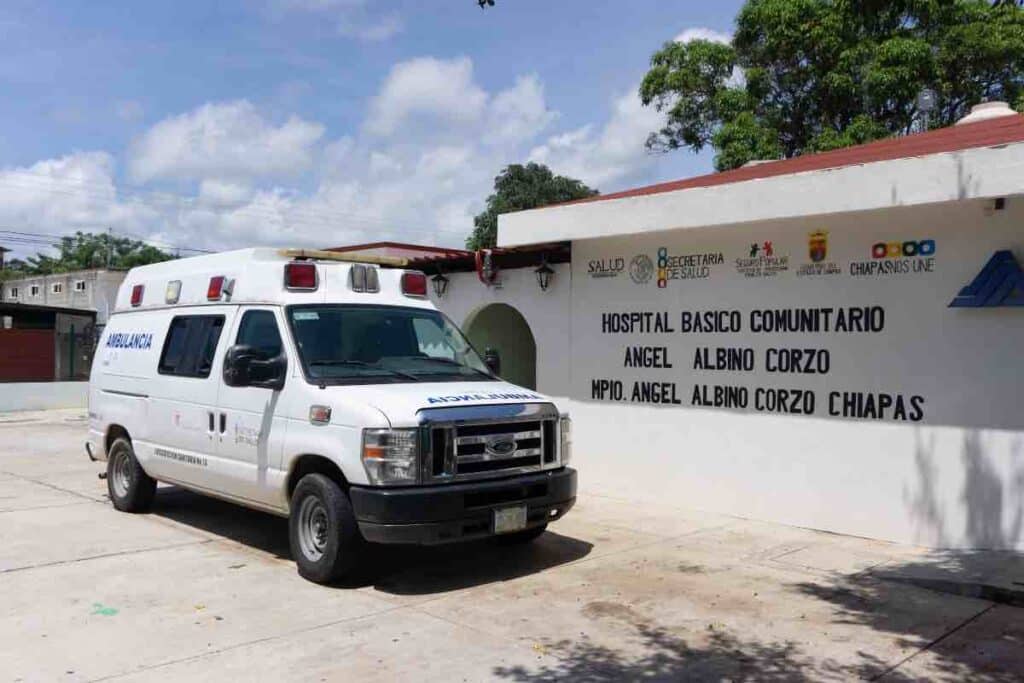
459,512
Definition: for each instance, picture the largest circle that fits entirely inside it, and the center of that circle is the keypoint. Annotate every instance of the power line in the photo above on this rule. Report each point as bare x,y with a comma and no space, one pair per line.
46,239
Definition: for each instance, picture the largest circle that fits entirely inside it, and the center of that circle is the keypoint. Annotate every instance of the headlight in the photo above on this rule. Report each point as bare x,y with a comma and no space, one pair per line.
565,439
391,456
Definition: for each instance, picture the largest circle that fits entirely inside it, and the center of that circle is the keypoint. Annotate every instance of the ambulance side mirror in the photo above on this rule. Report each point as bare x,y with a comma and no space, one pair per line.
246,366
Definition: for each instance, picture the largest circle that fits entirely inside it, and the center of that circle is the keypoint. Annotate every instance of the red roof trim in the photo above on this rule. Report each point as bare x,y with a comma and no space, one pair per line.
990,133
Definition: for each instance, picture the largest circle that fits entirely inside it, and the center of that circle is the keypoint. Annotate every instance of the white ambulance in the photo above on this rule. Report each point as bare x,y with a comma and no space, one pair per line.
327,391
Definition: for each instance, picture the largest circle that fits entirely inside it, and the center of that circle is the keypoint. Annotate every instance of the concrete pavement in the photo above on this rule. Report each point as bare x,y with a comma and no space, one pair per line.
618,590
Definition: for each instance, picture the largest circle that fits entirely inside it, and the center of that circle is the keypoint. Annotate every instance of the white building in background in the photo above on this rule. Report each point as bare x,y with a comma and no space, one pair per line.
91,290
831,341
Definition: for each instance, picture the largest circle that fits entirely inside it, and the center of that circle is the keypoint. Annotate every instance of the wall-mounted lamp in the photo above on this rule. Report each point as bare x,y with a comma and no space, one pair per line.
544,273
440,283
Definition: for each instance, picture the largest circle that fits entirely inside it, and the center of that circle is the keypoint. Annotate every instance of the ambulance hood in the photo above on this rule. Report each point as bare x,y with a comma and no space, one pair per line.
401,403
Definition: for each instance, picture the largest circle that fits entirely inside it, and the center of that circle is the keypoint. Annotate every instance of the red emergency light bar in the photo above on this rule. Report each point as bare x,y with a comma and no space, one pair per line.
300,276
414,283
215,288
137,291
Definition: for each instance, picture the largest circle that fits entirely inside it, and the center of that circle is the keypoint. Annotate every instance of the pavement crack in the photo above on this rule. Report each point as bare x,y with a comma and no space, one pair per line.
933,643
101,556
47,484
47,507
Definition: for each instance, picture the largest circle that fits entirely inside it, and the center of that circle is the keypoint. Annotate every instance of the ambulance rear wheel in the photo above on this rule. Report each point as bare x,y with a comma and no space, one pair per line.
129,487
323,533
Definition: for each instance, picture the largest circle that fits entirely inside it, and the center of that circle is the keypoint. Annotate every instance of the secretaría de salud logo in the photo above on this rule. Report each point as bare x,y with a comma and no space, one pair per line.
641,268
817,252
686,266
1000,283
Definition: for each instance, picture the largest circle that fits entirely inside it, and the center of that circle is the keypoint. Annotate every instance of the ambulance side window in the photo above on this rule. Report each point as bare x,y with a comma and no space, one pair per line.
190,345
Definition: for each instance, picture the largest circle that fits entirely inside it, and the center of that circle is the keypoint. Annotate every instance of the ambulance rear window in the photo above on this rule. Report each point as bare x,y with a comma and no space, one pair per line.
190,346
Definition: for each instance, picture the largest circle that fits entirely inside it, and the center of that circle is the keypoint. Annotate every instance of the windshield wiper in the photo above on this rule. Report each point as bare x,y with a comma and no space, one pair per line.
449,361
363,364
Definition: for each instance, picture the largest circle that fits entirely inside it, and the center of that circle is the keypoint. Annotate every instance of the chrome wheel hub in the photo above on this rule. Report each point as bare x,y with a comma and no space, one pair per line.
313,528
122,474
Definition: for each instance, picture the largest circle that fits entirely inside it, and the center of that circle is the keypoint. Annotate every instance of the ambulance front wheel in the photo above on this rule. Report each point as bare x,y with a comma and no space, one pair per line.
322,530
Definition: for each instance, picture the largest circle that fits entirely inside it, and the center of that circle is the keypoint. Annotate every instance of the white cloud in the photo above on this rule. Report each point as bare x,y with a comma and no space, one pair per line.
224,140
219,192
426,92
612,154
59,196
520,112
417,170
702,33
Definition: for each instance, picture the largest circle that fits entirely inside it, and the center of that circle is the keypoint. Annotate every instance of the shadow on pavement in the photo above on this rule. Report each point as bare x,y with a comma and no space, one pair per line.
412,570
258,530
977,635
398,570
661,655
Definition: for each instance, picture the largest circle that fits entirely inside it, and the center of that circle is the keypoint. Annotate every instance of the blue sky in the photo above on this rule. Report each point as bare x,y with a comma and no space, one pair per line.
219,125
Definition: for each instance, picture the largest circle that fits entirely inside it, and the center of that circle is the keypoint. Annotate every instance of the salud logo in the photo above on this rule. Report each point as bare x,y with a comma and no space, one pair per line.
641,268
606,267
1000,283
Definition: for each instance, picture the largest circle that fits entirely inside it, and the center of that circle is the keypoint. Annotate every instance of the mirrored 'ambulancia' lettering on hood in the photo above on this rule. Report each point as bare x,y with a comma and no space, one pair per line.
461,398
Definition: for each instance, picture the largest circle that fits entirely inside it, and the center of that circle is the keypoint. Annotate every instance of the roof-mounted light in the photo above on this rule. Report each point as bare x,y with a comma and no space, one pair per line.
363,278
300,276
215,288
414,283
137,292
173,292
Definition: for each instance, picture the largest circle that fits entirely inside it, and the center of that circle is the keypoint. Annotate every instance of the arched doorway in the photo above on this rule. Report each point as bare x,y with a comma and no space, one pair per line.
501,327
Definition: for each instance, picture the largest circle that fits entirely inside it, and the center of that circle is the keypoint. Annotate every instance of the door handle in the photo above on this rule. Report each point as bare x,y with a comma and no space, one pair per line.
223,422
209,414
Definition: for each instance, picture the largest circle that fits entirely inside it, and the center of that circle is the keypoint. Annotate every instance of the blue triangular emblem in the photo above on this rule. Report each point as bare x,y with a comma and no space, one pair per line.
1000,283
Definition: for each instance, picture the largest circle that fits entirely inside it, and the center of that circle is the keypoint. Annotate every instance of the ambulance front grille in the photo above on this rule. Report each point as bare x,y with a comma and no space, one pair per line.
470,451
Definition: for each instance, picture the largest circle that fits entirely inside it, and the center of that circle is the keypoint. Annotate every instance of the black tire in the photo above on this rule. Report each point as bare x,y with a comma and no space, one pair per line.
129,487
323,533
522,537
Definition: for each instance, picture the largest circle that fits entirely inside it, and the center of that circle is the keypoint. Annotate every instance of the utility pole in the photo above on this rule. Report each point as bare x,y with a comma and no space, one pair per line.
110,247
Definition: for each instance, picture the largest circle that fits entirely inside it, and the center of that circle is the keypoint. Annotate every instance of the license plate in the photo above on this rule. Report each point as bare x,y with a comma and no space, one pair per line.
507,520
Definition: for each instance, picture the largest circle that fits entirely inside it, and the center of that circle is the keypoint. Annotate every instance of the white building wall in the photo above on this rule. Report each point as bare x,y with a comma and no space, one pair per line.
547,314
953,478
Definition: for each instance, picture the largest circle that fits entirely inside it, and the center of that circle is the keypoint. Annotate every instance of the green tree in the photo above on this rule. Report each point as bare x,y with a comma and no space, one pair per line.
83,251
518,188
811,75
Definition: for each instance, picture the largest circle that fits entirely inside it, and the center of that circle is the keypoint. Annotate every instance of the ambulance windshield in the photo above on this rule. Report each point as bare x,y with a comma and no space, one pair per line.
350,344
